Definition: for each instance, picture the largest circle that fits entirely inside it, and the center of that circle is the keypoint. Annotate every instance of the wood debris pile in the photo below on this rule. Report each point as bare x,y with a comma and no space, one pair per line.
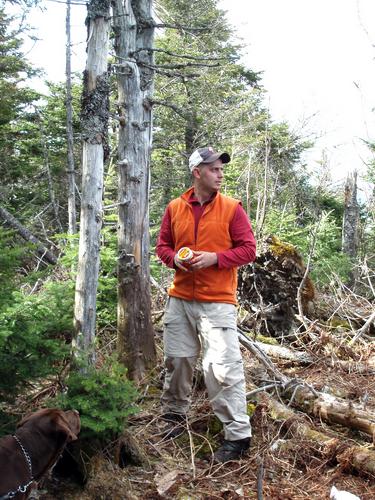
268,288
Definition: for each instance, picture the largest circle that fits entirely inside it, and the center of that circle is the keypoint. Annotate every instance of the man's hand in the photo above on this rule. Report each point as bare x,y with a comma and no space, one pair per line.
181,264
201,260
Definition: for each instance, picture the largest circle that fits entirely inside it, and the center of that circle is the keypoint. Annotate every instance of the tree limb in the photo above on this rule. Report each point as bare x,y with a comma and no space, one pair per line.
181,56
157,70
203,29
176,109
364,328
178,66
150,23
11,221
359,457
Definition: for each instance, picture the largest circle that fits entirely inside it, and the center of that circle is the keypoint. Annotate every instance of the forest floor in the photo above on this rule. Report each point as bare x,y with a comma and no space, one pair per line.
282,463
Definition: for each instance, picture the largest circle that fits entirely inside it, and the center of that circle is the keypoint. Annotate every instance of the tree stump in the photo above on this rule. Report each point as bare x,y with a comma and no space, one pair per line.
268,288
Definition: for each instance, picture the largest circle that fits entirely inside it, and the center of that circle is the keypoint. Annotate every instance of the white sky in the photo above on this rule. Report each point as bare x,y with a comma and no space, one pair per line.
314,55
317,58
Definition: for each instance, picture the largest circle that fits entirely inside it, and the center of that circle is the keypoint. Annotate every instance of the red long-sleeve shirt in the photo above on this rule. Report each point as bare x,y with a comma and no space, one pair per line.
241,233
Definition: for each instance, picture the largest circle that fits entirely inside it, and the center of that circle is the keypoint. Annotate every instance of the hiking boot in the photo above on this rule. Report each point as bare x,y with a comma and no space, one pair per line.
174,424
231,450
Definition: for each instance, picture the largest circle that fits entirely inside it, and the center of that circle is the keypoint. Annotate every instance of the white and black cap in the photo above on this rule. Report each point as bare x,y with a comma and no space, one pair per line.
206,155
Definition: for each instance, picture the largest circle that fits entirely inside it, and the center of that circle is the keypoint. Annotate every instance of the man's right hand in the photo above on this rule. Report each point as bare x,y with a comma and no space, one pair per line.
180,264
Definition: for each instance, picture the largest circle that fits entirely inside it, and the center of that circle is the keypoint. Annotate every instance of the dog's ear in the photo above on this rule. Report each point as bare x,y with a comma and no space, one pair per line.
63,425
66,423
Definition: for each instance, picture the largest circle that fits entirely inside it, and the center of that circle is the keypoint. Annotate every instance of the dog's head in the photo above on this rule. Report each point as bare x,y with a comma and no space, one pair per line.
53,420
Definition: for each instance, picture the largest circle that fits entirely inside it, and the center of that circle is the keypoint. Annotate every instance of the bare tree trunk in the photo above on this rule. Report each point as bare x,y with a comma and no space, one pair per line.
350,223
351,217
26,235
72,216
248,178
51,191
191,129
94,131
134,32
263,197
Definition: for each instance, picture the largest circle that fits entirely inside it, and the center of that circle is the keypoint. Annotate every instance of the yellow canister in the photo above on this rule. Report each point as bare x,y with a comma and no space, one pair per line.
185,254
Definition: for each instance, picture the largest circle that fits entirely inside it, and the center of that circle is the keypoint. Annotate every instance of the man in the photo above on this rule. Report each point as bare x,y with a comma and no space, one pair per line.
201,310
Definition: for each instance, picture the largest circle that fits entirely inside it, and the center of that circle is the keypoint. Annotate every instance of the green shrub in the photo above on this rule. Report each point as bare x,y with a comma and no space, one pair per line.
35,334
106,299
11,256
104,398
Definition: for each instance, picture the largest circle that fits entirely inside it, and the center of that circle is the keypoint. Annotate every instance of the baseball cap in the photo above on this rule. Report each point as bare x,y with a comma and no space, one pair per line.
206,155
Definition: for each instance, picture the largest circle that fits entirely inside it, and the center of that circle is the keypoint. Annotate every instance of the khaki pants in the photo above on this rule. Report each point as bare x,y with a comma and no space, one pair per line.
191,327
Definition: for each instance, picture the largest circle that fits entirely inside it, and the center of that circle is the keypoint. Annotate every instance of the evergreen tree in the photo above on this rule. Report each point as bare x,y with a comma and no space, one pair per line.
204,95
17,118
199,88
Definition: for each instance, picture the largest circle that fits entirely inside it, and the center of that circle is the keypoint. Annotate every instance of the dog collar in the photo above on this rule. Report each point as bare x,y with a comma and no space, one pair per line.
23,487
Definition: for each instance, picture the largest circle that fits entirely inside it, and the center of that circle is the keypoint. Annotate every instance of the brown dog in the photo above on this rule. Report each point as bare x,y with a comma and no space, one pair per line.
35,447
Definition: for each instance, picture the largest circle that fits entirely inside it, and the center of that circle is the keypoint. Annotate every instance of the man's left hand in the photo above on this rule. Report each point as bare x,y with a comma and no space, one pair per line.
201,260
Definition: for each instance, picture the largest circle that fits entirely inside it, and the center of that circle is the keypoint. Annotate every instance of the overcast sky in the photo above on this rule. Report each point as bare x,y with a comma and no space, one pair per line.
317,59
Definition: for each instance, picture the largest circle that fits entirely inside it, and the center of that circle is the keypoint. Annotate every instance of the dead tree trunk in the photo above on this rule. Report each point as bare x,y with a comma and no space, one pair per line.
191,132
351,218
54,203
263,196
72,216
94,132
134,32
26,235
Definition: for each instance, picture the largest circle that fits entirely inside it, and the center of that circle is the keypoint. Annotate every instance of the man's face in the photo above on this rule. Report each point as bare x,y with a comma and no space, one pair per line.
210,176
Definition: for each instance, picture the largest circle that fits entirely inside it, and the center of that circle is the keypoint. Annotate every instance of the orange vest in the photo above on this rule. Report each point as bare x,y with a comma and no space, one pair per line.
211,284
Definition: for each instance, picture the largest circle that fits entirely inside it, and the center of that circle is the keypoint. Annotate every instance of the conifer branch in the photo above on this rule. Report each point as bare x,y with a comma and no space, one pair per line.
166,104
181,56
178,66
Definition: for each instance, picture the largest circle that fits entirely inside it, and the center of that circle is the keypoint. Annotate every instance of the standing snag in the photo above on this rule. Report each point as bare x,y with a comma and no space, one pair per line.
134,33
94,133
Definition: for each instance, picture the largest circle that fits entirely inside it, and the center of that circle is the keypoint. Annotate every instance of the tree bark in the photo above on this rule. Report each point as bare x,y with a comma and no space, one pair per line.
351,217
336,410
72,216
133,36
95,114
27,235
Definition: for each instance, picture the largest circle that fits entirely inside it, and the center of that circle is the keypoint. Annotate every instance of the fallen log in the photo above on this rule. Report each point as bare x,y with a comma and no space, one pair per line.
300,357
303,396
356,457
335,410
278,351
11,221
355,367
